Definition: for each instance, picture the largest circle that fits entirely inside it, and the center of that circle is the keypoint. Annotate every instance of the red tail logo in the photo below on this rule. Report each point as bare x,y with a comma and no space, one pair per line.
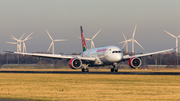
83,40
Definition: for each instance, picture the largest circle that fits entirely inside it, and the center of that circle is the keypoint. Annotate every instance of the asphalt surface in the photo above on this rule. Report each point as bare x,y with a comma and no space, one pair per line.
78,72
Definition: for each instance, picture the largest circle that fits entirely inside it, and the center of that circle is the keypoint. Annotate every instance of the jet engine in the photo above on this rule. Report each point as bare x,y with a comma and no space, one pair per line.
75,63
134,62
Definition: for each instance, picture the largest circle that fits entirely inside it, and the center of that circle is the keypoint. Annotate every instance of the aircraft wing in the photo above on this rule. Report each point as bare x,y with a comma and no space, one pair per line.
126,57
56,56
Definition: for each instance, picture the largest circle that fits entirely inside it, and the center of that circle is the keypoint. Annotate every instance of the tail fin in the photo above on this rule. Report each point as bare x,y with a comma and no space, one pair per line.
83,40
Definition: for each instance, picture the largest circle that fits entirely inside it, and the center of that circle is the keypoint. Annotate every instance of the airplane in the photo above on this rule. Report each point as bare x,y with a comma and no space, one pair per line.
103,56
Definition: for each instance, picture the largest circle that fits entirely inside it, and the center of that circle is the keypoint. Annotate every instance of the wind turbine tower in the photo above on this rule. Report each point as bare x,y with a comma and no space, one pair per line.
52,43
133,40
176,40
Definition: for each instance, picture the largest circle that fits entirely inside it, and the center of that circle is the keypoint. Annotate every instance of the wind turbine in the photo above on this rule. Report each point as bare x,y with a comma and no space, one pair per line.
125,43
92,43
133,40
52,43
176,40
18,42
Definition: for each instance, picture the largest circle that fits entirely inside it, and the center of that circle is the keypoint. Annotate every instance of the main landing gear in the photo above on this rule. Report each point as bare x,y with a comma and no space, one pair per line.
115,68
85,68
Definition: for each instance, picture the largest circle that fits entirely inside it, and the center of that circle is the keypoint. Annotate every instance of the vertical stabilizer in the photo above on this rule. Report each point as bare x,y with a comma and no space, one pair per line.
83,40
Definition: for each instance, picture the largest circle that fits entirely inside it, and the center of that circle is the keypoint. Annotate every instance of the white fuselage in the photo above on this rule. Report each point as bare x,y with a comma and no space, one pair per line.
109,54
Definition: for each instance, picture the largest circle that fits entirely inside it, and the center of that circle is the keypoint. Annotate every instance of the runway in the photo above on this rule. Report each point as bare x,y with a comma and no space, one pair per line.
78,72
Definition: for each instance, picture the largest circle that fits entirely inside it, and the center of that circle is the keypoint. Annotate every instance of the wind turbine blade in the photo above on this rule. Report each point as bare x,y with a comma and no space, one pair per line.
50,46
124,44
60,40
28,37
125,41
129,40
96,34
49,34
124,36
138,44
11,42
170,34
14,38
134,31
22,36
88,39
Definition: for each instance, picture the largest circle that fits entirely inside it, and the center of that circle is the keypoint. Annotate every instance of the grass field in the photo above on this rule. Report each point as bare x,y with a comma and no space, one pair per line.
90,87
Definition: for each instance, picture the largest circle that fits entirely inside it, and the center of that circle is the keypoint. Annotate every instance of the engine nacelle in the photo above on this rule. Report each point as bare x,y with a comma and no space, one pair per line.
135,62
75,63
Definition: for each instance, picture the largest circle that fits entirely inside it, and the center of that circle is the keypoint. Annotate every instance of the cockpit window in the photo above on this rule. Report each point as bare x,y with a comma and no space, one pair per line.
116,52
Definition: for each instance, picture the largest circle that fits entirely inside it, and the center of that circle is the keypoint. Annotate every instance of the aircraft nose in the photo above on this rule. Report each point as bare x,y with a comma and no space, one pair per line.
118,57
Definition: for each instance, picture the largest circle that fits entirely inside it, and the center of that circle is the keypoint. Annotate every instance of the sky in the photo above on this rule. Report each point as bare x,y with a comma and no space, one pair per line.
63,18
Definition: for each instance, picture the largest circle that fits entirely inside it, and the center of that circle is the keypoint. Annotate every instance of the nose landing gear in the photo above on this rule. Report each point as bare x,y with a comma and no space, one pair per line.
115,68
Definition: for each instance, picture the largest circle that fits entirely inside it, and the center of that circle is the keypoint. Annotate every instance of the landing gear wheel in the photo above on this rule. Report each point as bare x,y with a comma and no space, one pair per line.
83,70
116,70
87,69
